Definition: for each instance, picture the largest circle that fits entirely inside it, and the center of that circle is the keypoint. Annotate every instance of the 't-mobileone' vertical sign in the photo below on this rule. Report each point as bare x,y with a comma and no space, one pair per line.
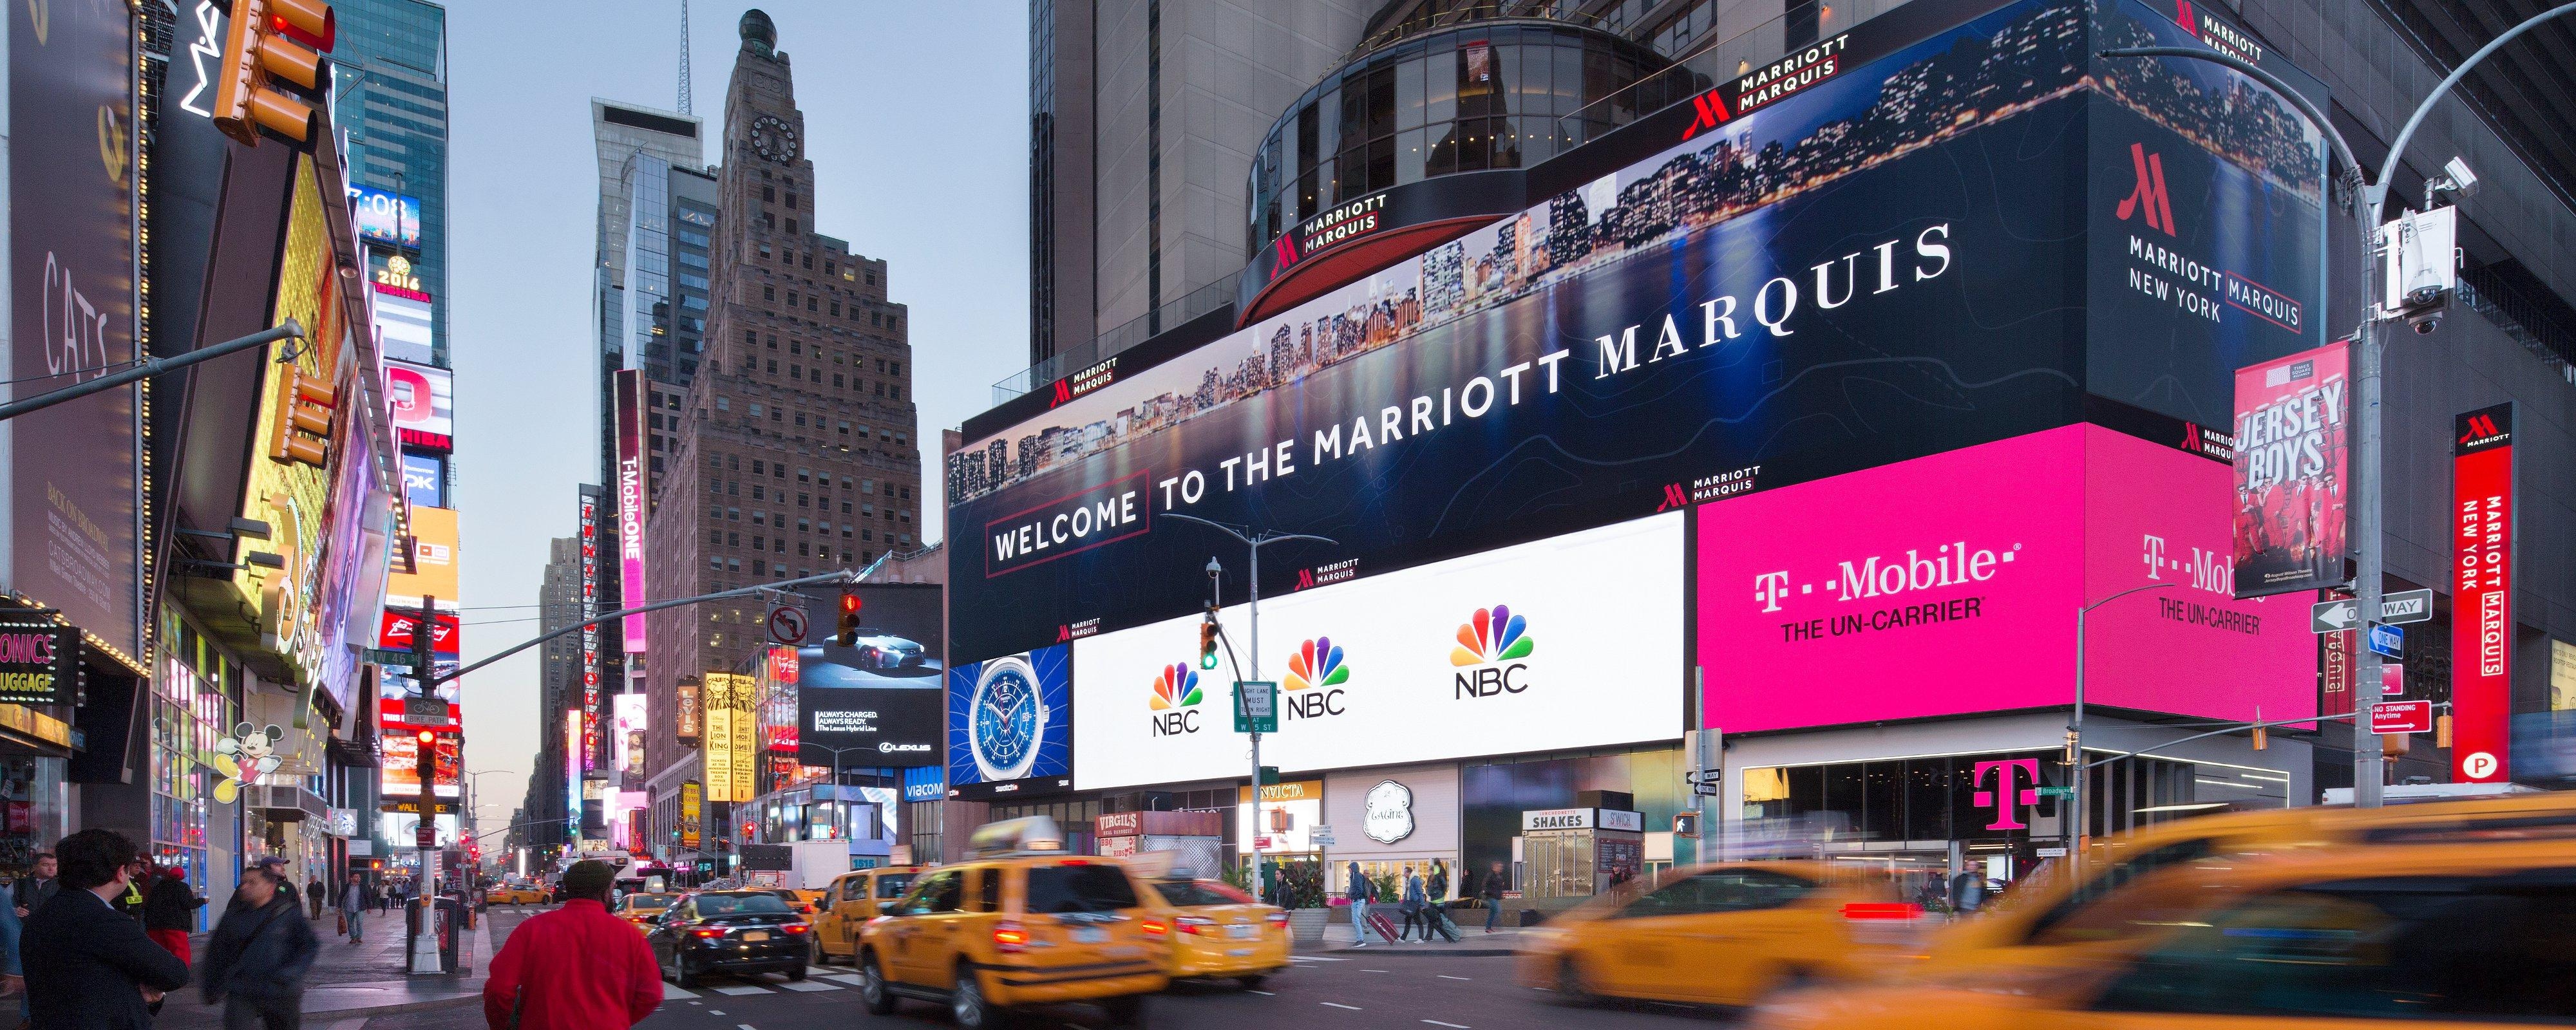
630,503
2482,626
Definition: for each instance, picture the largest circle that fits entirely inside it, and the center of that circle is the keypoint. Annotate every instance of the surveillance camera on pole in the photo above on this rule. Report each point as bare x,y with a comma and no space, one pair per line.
2422,264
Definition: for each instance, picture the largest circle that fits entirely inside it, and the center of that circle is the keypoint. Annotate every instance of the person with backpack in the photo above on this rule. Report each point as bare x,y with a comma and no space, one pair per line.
1358,894
259,953
1412,905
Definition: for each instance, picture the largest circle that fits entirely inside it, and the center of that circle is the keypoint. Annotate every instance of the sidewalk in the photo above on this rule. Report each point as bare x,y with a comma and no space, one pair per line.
1473,942
365,979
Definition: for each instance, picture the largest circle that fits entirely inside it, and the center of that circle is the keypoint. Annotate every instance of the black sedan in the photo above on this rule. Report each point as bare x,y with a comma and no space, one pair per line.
732,932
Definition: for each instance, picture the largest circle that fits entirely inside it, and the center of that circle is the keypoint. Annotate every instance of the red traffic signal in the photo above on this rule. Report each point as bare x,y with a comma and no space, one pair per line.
428,738
846,632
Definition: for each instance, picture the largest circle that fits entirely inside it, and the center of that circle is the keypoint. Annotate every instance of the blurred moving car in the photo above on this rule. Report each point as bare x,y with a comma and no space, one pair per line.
730,931
1020,924
854,898
515,894
642,909
2430,934
1725,934
806,903
2017,929
1218,931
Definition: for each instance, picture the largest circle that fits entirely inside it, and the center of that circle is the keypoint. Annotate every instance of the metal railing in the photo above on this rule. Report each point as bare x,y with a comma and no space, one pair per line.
1068,360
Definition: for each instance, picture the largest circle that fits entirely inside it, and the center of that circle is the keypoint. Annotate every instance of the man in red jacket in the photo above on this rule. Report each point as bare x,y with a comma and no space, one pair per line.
575,968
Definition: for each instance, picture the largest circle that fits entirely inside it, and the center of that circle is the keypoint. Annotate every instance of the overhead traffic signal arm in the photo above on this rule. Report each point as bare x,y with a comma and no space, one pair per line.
271,48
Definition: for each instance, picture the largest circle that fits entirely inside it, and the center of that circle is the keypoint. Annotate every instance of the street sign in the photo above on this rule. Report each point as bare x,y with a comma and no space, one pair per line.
2392,680
786,625
2406,606
2388,641
425,711
2057,792
426,837
2052,852
2401,717
413,807
381,656
2333,616
1320,835
1256,706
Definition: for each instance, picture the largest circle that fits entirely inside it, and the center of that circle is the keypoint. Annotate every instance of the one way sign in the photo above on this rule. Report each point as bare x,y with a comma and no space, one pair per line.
2398,609
2334,616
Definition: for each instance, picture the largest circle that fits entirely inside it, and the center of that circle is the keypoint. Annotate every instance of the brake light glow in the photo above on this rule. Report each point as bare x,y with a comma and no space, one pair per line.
708,931
1882,910
1276,918
795,928
1192,925
1010,938
1155,928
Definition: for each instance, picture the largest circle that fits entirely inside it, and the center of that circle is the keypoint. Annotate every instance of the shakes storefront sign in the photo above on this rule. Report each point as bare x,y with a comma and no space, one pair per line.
1800,292
74,468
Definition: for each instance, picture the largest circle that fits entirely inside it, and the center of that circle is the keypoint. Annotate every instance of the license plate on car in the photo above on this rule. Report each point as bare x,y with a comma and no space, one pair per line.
1089,935
1238,952
755,935
1243,931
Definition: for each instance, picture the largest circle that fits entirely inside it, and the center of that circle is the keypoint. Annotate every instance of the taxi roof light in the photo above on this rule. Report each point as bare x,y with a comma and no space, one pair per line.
1027,835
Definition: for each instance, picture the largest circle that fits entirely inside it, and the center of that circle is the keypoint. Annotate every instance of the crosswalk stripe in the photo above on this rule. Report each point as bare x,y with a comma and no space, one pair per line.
669,992
809,985
744,989
854,981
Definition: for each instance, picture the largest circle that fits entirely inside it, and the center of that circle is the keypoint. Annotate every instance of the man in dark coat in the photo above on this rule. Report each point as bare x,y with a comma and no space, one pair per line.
88,966
314,892
170,910
257,958
34,889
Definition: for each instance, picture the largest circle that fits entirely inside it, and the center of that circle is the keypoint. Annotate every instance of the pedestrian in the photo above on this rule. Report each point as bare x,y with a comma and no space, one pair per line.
170,911
315,893
12,979
1357,893
32,890
87,967
353,908
576,967
1493,895
1413,904
384,898
1438,887
259,953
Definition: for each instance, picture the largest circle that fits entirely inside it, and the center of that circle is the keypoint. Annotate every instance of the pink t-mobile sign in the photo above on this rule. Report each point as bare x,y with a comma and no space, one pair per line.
1948,585
2004,799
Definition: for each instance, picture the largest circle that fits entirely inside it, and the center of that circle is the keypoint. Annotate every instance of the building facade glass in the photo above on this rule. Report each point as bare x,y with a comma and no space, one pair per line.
192,707
397,124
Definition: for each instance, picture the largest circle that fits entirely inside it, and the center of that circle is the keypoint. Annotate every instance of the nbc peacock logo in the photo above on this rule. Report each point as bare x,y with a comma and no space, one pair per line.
1313,686
1491,644
1175,701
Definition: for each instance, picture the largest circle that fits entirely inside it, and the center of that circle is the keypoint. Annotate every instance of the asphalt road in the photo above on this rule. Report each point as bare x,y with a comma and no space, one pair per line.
1360,992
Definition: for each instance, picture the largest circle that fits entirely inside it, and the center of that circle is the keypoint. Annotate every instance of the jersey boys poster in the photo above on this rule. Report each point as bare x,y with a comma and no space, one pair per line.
2293,444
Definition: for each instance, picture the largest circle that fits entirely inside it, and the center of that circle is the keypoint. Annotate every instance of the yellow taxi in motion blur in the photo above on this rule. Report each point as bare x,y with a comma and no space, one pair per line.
1724,934
1020,924
2438,934
854,898
642,909
2020,928
1218,931
515,894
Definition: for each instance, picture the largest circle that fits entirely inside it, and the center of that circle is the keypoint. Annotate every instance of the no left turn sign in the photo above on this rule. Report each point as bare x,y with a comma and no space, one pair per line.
787,625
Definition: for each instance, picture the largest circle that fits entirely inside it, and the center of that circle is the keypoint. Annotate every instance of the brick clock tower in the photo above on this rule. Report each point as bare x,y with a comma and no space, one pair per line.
796,450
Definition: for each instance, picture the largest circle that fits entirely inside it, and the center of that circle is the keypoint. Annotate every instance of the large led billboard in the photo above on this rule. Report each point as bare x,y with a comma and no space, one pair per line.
403,325
1010,725
1569,642
1794,293
386,217
433,561
1948,585
881,701
421,403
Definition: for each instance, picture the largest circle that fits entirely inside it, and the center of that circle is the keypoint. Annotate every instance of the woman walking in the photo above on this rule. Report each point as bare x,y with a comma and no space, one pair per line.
1414,904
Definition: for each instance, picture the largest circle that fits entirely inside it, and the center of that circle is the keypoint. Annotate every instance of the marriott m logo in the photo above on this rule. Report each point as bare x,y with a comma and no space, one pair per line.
2148,198
1287,250
1708,112
1674,497
2480,427
1063,392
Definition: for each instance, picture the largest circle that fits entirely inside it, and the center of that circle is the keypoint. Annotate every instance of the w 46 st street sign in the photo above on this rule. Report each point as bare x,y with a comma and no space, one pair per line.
2394,609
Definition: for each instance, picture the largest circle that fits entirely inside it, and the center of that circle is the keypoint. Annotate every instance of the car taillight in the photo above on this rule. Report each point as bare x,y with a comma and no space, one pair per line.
1882,910
795,928
1191,925
1010,938
708,931
1276,918
1155,928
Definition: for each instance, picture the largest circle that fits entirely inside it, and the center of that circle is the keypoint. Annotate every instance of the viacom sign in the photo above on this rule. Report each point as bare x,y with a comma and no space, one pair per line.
1364,665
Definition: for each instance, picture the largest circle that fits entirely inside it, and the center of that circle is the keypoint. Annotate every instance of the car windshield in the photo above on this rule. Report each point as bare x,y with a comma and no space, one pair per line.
1200,893
649,900
1079,888
740,904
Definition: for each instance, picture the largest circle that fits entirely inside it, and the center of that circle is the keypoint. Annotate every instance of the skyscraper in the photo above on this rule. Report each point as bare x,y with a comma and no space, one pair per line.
397,124
794,451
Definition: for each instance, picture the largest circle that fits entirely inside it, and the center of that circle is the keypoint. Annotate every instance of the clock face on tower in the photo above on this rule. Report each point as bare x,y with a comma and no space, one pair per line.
772,139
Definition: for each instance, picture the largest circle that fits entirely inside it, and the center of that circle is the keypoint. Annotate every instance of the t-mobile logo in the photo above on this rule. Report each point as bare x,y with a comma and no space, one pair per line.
2005,798
2207,570
1769,588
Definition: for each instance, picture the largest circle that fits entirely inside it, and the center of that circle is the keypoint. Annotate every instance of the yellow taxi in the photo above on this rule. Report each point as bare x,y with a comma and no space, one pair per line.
515,894
642,909
2018,929
854,898
1021,924
2428,934
1218,931
1723,934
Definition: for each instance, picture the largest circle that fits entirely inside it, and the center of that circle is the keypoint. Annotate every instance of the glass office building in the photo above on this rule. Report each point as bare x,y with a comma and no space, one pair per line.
396,117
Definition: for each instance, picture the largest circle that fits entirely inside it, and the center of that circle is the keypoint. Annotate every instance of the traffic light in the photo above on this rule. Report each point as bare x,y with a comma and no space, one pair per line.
428,738
847,634
2442,730
2262,738
271,47
1207,640
303,429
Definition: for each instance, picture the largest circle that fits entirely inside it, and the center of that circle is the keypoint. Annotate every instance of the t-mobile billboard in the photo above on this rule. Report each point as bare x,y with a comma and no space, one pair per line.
1949,585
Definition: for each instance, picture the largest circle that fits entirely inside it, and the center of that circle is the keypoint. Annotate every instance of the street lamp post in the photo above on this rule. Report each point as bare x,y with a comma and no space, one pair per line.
2368,516
2072,825
1253,541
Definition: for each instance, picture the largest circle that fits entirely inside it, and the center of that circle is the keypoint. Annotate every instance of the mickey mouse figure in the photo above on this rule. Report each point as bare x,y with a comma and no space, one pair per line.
245,756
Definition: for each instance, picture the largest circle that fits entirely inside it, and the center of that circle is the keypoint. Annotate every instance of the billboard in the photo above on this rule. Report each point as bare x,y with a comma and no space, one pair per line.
2293,456
2483,495
385,217
587,724
882,700
1800,292
692,811
420,400
401,760
628,743
73,467
433,561
1574,641
403,325
1948,586
630,504
732,757
425,479
1010,725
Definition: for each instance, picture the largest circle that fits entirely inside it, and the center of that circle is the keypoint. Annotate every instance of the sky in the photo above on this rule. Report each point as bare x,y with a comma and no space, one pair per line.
934,180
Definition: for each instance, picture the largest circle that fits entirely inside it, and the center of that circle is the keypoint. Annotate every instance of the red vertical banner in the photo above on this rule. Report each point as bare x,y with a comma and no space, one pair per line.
2292,444
2482,625
2338,664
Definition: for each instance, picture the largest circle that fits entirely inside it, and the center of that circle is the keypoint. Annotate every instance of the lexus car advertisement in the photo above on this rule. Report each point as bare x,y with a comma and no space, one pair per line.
878,701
